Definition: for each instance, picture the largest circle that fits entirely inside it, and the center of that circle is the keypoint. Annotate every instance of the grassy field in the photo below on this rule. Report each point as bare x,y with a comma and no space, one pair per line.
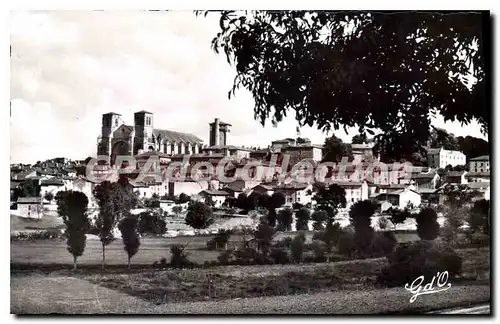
151,250
46,222
155,290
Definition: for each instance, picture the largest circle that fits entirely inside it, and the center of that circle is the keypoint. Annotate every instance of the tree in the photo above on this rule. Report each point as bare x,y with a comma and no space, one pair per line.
264,200
330,199
285,219
49,196
151,222
297,247
199,215
427,225
115,201
220,239
130,237
359,139
376,70
302,217
277,200
398,216
360,216
336,149
183,198
28,188
177,210
479,219
241,201
441,138
72,207
473,147
319,217
264,235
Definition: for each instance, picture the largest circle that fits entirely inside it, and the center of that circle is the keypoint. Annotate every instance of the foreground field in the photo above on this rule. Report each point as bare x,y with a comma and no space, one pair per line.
151,250
327,288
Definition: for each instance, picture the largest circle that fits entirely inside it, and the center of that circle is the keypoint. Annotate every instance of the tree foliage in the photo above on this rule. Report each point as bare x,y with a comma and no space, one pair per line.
285,219
427,225
302,217
479,219
330,199
199,215
335,149
386,71
130,236
360,216
151,222
319,218
72,207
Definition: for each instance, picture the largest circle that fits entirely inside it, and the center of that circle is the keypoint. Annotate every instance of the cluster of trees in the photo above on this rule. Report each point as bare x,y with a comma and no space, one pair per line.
370,72
115,200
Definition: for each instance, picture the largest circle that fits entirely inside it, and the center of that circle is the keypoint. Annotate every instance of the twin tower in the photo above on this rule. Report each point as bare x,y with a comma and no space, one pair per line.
118,138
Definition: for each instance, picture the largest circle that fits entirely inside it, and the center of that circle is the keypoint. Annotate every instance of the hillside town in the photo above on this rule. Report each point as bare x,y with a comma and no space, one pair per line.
397,185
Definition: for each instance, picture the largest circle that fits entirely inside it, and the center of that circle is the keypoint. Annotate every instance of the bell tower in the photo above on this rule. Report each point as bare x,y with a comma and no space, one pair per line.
143,124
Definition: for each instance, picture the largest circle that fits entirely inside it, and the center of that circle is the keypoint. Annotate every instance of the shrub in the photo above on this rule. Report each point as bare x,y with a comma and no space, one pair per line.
285,243
285,219
331,235
383,223
297,247
412,260
219,240
319,217
319,248
383,243
226,258
427,225
247,256
345,245
318,235
178,258
302,217
479,217
279,256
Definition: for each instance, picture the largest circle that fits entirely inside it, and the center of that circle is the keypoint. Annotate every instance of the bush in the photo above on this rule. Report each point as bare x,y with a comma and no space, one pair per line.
319,248
412,260
226,258
383,244
284,243
297,247
427,225
38,235
478,239
178,258
219,240
383,223
345,245
279,256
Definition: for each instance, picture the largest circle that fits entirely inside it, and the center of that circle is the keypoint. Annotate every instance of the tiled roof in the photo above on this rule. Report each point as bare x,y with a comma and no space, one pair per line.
481,158
478,185
216,192
142,111
52,182
455,173
29,200
433,150
347,183
429,175
479,174
111,113
178,137
153,153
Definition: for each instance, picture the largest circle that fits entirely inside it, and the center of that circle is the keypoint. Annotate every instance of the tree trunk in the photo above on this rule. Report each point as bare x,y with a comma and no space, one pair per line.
103,256
74,262
129,263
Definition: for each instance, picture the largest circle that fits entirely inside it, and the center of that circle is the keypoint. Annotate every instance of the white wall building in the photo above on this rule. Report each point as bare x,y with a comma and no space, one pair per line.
480,164
440,158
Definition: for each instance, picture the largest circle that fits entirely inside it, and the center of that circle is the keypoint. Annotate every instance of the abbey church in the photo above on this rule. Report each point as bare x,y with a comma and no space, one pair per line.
120,139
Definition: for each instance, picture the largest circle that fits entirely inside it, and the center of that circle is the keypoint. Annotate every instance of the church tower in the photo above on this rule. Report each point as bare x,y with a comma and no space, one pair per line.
143,124
110,123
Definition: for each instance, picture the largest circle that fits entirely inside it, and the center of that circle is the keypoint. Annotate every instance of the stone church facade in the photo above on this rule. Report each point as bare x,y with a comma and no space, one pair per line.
120,139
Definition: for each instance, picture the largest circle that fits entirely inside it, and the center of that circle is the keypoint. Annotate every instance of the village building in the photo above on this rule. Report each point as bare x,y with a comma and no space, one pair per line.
439,158
29,207
480,164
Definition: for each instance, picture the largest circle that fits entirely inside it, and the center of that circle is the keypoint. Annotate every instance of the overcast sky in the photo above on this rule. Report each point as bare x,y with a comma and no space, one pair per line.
69,67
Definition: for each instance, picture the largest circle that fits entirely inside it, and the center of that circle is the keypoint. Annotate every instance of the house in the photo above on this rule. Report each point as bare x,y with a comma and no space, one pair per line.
478,176
480,164
304,151
52,186
25,174
426,180
482,188
264,188
439,158
235,188
363,152
429,195
354,191
295,192
401,198
456,177
216,196
29,207
166,204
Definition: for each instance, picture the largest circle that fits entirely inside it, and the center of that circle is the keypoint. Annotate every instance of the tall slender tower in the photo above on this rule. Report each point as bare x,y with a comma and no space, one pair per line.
143,124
